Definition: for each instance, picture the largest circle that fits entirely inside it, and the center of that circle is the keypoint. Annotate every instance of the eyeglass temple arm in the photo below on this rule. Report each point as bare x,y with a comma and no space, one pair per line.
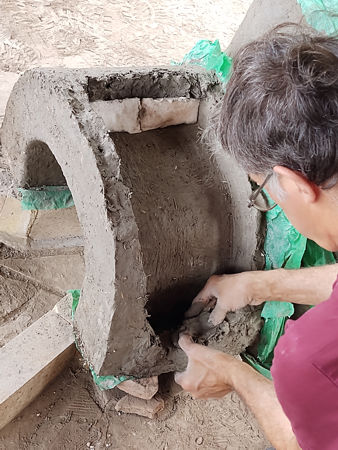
255,194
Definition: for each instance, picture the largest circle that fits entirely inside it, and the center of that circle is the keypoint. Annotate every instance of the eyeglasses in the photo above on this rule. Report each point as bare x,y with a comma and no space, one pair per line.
259,200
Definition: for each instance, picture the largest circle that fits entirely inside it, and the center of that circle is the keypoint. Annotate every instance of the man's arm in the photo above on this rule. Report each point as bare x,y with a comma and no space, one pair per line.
308,286
259,394
213,374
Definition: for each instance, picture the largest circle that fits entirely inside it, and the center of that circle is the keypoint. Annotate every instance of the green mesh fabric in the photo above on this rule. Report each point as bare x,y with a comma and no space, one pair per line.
321,14
208,54
47,197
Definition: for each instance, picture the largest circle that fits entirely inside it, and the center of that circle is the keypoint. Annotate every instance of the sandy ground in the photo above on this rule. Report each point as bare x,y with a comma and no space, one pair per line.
87,33
67,415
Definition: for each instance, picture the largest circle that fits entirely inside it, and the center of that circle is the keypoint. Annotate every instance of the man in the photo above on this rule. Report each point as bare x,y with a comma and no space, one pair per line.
279,119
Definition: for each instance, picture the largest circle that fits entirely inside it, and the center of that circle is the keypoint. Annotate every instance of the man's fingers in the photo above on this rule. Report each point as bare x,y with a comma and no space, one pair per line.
179,377
217,315
197,304
201,301
185,342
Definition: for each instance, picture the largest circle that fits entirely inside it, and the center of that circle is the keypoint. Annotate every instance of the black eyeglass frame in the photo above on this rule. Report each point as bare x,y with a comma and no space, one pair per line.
253,197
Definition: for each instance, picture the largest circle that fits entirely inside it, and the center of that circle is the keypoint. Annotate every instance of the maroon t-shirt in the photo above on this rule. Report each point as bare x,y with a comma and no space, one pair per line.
305,374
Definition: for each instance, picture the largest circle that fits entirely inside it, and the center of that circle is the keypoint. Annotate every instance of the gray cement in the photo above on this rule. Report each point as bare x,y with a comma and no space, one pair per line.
159,214
261,17
238,331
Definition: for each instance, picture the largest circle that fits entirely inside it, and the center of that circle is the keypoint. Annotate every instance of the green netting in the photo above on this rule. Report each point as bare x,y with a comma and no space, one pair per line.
47,197
76,298
208,54
103,382
316,256
284,247
253,362
321,14
108,382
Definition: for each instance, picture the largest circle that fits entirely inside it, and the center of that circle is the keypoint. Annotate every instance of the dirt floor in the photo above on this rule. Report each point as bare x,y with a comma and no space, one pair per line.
67,416
89,33
86,33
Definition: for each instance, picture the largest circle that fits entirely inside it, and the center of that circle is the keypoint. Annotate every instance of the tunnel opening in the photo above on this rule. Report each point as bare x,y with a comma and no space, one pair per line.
41,262
166,308
183,214
56,224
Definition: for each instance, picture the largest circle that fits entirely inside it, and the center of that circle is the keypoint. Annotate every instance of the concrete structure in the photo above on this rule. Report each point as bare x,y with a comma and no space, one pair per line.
159,214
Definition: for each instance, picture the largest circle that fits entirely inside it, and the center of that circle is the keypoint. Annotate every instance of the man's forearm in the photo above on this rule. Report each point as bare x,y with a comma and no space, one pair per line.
308,286
259,394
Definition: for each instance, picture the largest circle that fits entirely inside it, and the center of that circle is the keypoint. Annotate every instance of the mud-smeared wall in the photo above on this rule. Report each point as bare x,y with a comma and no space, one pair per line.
182,210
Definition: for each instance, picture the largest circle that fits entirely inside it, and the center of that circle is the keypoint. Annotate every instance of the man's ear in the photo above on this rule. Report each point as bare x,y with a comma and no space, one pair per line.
295,183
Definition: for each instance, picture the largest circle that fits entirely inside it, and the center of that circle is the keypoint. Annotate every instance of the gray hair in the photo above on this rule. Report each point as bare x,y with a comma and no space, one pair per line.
281,105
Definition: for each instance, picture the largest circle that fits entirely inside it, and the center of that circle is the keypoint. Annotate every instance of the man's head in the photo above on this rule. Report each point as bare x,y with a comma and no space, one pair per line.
280,115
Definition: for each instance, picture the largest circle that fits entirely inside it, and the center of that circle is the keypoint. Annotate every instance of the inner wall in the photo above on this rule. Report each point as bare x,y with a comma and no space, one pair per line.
183,211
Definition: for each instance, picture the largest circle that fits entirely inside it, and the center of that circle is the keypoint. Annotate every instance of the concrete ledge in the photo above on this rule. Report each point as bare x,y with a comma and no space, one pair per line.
33,358
57,272
56,229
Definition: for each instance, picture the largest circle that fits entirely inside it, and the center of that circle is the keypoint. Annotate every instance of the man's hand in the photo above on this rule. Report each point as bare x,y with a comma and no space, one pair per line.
231,292
308,286
208,374
213,374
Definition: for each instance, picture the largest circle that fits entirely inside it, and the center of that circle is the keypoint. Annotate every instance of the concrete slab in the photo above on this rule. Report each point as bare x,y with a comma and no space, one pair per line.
119,115
23,229
56,229
7,81
262,17
23,301
15,224
32,359
166,112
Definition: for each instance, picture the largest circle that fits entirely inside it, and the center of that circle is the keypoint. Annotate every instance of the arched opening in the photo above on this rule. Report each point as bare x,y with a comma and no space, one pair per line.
41,246
41,167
